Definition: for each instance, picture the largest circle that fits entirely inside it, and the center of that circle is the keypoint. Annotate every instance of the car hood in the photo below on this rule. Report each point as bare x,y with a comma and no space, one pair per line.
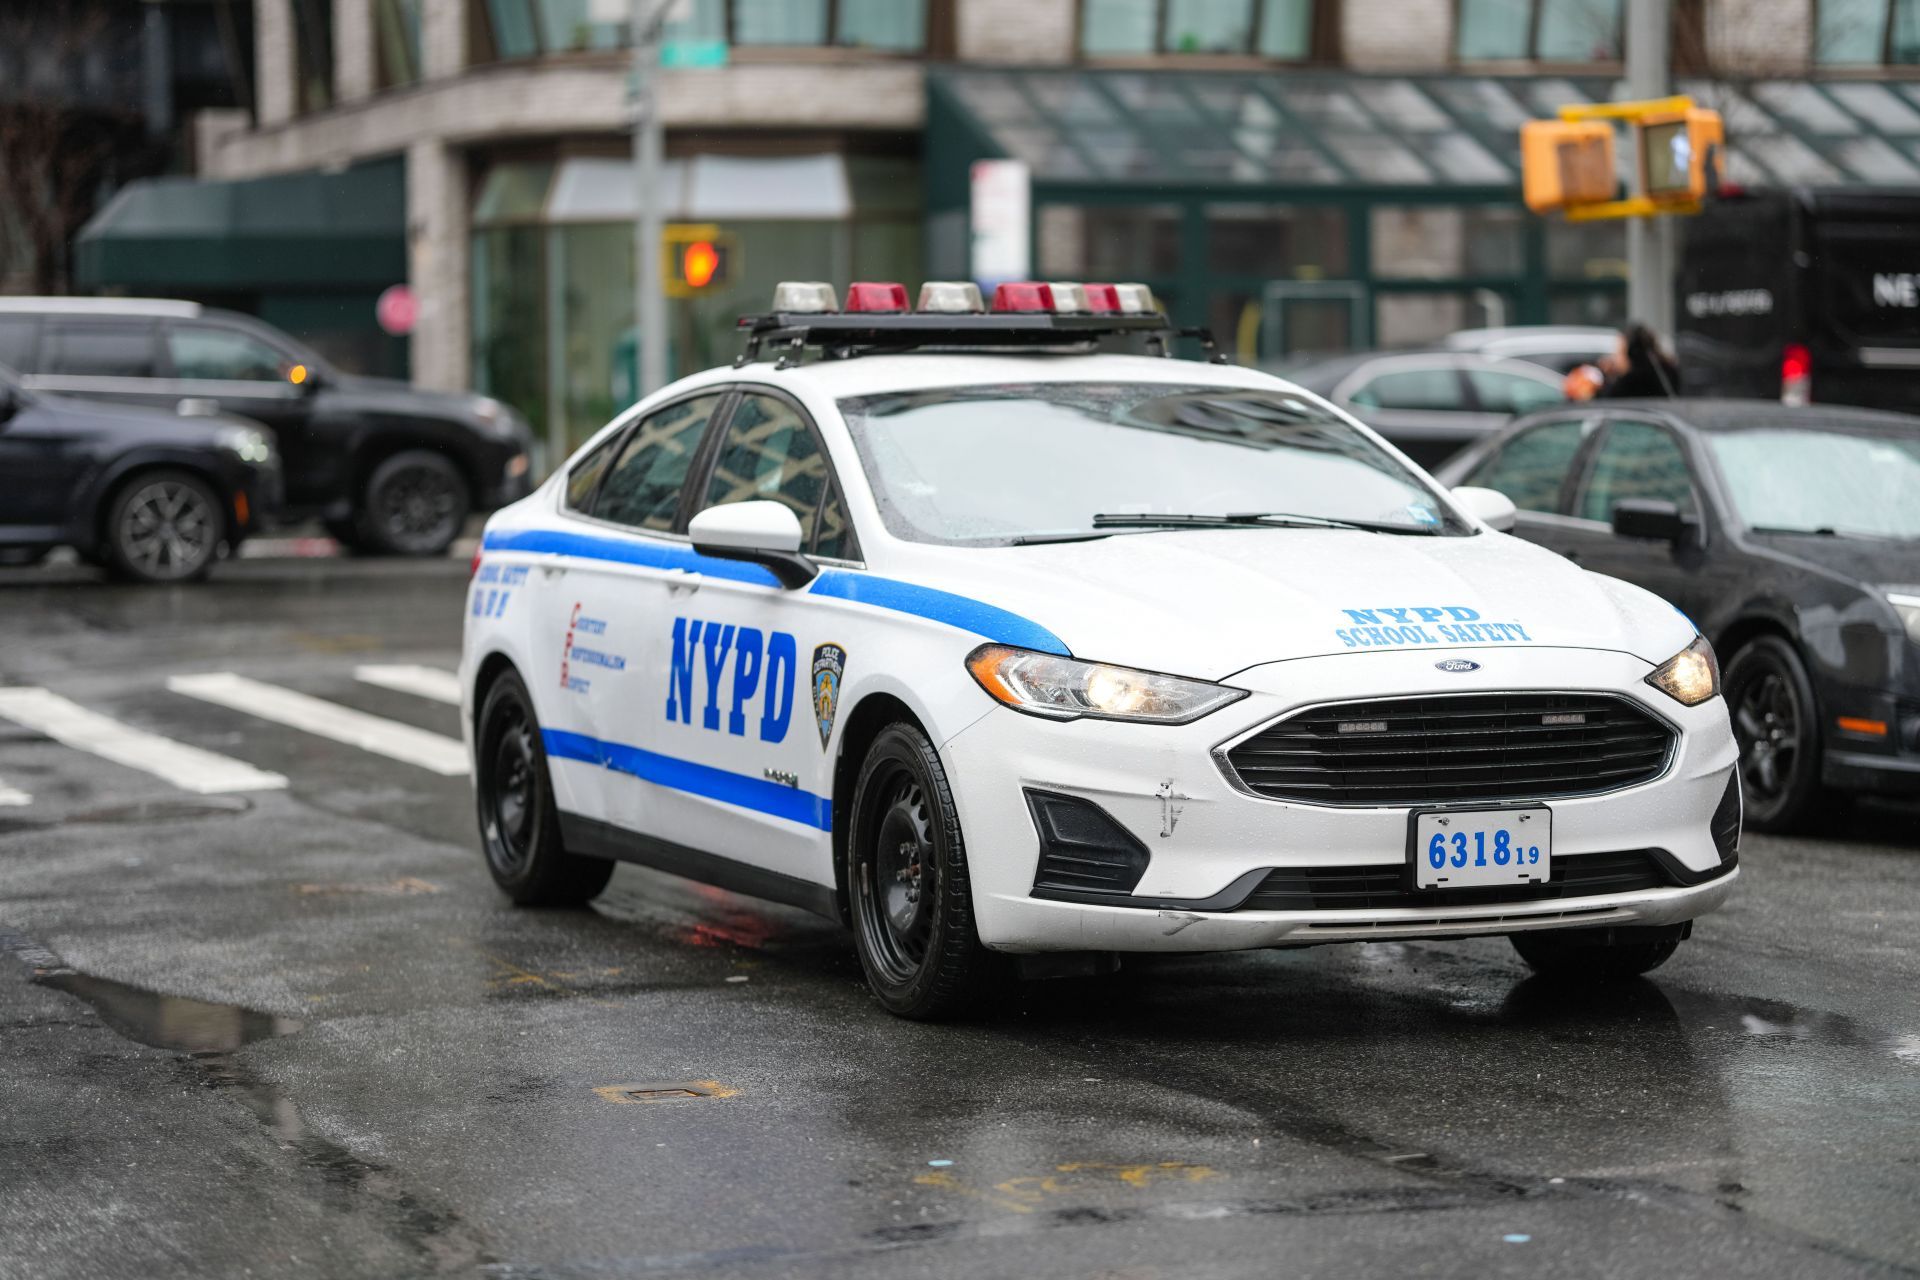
1874,561
1213,602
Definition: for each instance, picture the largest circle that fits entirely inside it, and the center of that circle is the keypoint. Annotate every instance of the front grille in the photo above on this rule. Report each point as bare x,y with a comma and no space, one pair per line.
1396,752
1385,885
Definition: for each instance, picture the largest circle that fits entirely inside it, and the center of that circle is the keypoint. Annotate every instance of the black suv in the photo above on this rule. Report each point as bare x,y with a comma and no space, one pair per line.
152,496
387,467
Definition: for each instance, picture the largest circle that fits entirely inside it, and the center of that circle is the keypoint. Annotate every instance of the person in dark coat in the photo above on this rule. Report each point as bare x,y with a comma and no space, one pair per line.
1639,367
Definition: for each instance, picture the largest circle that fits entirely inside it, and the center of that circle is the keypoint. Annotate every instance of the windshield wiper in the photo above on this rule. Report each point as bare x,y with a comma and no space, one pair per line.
1246,519
1824,531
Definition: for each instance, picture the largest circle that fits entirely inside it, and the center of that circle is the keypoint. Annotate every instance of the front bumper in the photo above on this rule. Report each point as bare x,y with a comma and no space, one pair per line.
1205,836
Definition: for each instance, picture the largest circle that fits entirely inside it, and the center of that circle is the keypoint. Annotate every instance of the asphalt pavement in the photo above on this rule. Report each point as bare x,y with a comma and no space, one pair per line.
262,1013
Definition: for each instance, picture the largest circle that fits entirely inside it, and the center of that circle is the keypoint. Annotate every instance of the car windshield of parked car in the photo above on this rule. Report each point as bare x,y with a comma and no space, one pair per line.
1859,483
999,464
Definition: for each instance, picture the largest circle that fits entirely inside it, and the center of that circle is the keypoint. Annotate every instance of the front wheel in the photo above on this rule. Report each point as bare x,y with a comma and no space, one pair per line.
164,526
415,505
519,824
1598,955
907,875
1777,727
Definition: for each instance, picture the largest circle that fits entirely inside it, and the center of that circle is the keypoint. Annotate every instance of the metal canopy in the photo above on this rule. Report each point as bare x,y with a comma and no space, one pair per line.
1306,132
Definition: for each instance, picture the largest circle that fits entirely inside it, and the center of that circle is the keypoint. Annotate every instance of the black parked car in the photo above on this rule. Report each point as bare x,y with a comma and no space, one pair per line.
152,496
387,467
1791,537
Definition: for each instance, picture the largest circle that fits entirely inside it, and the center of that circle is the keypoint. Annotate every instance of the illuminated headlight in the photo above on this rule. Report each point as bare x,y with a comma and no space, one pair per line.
1044,684
1908,607
1690,676
250,445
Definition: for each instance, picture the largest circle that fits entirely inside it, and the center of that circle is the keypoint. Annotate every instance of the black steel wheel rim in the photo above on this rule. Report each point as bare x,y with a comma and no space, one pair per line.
512,795
1767,723
418,506
897,877
167,529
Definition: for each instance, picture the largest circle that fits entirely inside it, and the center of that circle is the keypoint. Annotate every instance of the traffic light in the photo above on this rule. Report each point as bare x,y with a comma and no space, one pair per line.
700,258
1566,163
1678,151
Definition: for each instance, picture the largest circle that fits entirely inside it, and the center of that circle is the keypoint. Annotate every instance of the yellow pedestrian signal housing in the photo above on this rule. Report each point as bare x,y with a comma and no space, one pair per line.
1566,163
1677,151
700,258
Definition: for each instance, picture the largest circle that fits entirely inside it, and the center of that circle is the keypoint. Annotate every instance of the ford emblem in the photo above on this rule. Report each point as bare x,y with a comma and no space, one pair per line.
1457,665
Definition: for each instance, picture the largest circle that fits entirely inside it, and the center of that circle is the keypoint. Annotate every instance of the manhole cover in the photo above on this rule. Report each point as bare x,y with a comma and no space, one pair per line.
664,1091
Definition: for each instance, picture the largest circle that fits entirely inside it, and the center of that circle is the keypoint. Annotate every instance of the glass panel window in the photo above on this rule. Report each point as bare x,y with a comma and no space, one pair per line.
779,21
1302,242
514,35
1102,242
1432,387
1850,32
112,349
1545,30
1269,28
1512,393
397,37
1636,460
769,455
882,24
643,489
1903,42
1440,242
1117,26
210,352
17,341
1493,29
1286,29
1208,26
1531,467
833,537
313,53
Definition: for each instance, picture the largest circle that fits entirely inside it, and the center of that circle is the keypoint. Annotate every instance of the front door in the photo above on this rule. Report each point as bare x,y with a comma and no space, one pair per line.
1641,459
221,368
42,456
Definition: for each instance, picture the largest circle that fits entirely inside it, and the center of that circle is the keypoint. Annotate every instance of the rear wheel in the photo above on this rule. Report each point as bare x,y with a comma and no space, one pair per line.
415,505
519,824
164,526
1777,727
907,875
1598,955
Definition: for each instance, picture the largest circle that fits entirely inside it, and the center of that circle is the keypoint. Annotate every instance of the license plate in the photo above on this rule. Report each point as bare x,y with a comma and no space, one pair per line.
1466,848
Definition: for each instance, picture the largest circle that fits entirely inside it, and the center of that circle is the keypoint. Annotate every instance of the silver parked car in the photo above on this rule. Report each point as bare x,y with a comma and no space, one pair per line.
1431,404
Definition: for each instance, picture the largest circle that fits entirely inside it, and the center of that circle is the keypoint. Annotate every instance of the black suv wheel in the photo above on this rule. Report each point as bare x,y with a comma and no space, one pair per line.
415,505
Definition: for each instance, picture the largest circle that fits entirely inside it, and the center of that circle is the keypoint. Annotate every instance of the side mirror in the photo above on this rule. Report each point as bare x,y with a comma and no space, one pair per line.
1651,519
1490,506
759,532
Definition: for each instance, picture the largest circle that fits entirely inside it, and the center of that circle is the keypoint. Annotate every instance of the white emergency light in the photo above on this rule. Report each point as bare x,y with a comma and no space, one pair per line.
805,297
951,297
1069,299
1135,300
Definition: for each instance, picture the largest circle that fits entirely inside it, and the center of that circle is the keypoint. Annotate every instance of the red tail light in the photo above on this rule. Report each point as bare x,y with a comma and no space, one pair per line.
474,568
1796,374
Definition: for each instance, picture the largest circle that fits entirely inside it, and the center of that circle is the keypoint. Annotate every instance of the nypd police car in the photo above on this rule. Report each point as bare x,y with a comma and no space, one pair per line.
988,636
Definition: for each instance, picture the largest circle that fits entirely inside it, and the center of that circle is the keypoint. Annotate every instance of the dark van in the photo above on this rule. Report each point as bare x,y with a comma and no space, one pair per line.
387,467
1803,296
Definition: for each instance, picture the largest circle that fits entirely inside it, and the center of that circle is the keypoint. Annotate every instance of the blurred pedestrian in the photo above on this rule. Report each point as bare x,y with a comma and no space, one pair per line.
1641,367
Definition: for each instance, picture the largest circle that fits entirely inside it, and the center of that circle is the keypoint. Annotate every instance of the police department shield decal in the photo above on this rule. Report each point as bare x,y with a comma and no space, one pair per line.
829,661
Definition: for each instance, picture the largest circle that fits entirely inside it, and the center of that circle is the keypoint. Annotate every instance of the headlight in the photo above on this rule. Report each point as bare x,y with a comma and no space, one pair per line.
1044,684
1690,676
1908,607
251,446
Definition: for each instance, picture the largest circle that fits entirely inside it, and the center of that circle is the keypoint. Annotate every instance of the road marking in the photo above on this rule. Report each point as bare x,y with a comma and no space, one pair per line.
205,772
12,797
425,682
402,742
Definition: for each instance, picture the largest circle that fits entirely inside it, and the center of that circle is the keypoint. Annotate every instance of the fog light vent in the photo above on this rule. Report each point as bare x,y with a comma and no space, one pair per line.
1082,851
1726,823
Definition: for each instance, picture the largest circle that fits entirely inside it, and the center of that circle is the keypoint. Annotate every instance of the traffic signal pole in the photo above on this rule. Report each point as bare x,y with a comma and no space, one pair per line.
1651,260
649,297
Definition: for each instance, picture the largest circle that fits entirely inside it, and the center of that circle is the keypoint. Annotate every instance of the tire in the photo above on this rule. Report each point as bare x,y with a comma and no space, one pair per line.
906,876
1777,724
1598,955
163,526
415,504
519,823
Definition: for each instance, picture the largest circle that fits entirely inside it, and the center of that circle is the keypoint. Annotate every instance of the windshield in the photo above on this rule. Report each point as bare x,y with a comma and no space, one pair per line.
999,464
1803,479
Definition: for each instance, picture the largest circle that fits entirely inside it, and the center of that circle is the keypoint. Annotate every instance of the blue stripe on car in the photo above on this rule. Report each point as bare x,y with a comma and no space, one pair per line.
962,612
695,779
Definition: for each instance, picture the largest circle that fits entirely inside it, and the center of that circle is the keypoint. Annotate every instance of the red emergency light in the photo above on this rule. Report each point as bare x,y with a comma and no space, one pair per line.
1027,296
871,297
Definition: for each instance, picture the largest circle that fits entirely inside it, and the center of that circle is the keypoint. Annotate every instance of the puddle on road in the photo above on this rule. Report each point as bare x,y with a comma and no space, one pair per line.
179,1023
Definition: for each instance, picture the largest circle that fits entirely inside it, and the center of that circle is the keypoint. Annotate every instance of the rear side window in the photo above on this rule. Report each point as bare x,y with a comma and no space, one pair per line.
97,349
643,487
584,478
1511,392
1637,460
1437,387
16,342
1531,467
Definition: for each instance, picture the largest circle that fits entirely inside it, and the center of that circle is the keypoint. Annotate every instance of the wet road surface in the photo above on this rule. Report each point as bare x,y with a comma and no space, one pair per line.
291,1030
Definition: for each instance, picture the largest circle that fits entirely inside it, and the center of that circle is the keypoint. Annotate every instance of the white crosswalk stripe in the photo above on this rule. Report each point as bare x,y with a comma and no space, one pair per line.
390,738
13,797
425,682
188,767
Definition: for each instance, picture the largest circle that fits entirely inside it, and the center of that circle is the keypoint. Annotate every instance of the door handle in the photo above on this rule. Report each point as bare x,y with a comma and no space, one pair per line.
553,571
687,580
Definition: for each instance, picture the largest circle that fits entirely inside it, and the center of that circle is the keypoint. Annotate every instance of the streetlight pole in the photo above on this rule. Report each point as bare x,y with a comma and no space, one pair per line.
1650,242
649,301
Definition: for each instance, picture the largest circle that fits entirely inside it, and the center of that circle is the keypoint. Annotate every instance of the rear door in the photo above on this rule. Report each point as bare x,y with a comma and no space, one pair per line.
100,357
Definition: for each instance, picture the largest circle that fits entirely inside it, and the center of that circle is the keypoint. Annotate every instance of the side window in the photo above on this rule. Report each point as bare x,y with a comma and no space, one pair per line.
16,342
584,476
769,454
227,355
643,487
1437,387
834,536
1512,393
1530,467
1636,460
98,349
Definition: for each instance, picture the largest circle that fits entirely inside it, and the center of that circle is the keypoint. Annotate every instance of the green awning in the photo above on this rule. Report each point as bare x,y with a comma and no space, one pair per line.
1295,134
344,230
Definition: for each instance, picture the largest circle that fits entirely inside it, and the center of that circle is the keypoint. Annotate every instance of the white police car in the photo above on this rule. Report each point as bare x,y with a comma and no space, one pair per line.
984,638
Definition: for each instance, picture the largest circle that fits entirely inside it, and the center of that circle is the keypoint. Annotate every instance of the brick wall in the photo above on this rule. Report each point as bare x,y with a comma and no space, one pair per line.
1015,30
1409,34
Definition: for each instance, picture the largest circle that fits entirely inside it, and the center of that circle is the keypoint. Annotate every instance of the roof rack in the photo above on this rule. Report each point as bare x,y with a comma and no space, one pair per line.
841,335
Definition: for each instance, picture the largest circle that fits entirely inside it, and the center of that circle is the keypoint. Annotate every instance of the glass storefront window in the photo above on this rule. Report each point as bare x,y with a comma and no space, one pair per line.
529,28
779,22
1108,242
1269,28
1586,250
397,40
1850,32
1544,30
313,53
882,24
1440,242
1425,318
1301,242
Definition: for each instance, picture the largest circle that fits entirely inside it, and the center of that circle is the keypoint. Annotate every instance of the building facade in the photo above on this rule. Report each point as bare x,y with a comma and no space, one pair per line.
1296,173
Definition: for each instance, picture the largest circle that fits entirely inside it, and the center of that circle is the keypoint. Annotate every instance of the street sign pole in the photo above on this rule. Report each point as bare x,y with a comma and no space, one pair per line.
649,299
1650,241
